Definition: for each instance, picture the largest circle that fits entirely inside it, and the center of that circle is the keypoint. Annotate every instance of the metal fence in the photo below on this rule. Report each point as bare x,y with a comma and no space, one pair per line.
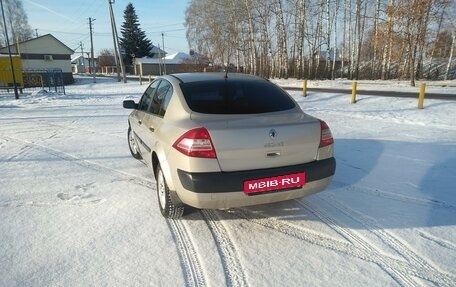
31,80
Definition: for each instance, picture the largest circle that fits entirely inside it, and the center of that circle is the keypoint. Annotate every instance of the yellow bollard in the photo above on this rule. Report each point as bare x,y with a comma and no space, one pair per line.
421,96
304,88
353,97
150,79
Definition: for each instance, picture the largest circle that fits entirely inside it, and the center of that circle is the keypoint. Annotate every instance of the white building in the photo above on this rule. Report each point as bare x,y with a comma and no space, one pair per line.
44,53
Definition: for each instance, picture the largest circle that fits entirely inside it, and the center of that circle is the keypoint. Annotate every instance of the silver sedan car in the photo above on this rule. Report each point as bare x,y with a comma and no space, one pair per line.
216,141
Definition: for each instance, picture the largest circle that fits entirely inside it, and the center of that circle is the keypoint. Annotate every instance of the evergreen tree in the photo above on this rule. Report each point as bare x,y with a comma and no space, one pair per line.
133,39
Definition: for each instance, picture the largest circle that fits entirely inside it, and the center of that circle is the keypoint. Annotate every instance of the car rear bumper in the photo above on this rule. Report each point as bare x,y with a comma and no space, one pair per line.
225,189
216,182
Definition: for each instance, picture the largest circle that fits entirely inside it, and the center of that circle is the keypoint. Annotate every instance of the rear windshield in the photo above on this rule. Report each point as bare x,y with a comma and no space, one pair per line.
234,96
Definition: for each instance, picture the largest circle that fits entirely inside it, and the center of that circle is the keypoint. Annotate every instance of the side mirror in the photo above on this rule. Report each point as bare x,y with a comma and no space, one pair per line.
130,104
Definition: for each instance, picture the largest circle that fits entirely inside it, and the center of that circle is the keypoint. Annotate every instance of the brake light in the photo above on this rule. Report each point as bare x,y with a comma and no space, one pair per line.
326,135
196,143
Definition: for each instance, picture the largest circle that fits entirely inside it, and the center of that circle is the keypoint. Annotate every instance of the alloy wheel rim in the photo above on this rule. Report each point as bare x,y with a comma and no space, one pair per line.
161,190
132,143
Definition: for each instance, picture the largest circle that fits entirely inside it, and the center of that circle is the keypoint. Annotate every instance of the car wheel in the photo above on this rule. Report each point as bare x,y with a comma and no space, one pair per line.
167,207
133,145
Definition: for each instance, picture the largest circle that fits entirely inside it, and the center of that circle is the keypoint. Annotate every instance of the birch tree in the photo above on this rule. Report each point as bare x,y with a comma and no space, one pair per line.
412,22
277,38
301,23
450,58
281,36
451,23
387,52
16,21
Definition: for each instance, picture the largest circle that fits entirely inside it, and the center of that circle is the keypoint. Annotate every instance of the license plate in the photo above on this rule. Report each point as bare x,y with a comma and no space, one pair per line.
274,183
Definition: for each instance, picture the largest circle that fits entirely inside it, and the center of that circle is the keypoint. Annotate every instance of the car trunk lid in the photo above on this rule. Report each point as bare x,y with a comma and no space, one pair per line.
246,142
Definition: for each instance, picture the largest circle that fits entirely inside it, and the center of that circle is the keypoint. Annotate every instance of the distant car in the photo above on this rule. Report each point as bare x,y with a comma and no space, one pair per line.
216,141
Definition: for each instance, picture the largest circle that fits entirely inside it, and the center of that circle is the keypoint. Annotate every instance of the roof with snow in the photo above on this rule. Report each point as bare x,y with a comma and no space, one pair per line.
157,51
177,58
173,59
44,44
74,58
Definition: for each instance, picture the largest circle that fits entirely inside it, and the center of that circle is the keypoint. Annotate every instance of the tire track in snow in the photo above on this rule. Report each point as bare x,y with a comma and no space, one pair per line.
71,127
77,200
18,153
434,275
83,162
396,197
438,241
234,272
192,267
357,240
384,261
193,272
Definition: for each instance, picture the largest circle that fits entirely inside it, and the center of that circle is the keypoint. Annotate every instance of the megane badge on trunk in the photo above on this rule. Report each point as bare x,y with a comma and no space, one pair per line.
272,134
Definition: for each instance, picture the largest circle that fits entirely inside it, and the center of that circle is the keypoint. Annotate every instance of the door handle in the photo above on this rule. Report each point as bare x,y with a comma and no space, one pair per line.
152,129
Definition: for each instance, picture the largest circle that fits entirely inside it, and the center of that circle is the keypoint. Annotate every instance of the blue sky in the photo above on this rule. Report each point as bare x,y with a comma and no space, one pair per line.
68,21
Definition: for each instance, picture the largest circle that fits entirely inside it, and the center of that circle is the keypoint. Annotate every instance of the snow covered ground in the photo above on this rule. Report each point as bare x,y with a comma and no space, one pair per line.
77,210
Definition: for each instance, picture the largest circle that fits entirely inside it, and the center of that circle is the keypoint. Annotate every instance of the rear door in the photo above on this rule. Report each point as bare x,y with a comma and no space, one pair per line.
153,119
140,128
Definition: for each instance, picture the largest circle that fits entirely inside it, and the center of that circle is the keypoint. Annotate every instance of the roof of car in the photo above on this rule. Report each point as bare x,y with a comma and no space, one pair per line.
197,77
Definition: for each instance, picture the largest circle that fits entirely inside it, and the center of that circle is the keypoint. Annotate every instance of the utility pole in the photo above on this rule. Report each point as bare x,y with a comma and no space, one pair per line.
82,54
160,60
16,94
164,60
115,38
91,49
116,53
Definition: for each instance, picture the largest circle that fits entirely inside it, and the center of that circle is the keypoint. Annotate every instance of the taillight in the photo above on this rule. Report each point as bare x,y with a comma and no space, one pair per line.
196,143
326,136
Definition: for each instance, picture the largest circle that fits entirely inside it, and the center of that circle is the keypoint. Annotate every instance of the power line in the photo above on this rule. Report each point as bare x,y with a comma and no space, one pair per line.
165,31
166,25
62,32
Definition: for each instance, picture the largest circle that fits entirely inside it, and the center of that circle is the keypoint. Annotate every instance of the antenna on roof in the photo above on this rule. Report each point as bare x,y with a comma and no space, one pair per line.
226,70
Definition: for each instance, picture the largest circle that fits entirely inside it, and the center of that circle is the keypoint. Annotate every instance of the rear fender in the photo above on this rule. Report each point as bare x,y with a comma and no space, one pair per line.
159,157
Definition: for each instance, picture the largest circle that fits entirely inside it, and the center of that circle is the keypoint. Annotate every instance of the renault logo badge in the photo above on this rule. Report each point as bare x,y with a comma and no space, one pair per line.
272,134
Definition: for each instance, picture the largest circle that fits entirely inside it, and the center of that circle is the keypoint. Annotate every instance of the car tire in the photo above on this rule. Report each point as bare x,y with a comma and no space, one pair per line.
167,207
133,145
